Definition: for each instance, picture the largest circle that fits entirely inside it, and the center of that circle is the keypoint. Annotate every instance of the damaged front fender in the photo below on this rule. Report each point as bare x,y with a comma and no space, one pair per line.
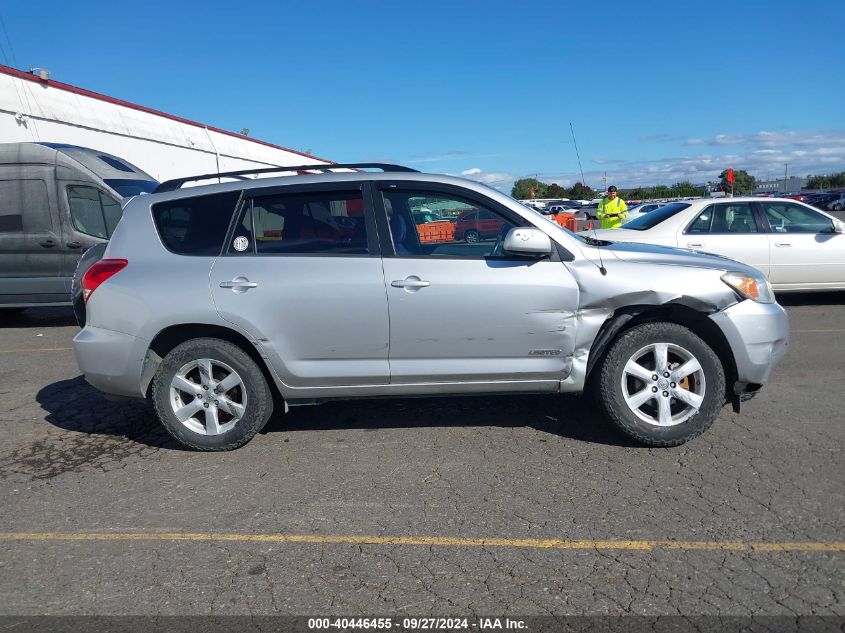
631,292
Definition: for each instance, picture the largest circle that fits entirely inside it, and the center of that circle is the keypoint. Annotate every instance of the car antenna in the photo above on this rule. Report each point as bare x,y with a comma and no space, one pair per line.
602,269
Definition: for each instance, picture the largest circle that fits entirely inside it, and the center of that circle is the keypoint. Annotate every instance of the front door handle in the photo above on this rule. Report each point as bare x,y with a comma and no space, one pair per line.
783,244
74,245
239,284
48,243
695,244
410,283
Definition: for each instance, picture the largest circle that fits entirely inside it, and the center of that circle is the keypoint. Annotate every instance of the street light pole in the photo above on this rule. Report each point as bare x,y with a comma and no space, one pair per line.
785,177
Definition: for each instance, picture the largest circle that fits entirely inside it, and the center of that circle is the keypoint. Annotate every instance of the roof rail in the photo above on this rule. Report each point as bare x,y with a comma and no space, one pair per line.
176,183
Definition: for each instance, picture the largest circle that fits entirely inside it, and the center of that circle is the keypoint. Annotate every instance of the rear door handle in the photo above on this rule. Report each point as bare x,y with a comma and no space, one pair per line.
783,244
695,244
74,245
239,284
410,283
48,243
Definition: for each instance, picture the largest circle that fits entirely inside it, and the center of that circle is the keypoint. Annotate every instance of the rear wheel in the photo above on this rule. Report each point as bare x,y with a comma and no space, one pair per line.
661,384
210,395
472,236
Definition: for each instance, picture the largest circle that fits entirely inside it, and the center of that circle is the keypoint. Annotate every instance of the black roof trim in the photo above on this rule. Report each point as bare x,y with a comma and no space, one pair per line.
176,183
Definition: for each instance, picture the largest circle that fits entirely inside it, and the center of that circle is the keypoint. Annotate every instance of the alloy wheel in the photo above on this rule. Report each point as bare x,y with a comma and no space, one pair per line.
663,384
208,396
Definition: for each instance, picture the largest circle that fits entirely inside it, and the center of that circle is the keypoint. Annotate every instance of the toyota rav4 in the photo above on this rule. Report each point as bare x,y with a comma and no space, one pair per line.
222,302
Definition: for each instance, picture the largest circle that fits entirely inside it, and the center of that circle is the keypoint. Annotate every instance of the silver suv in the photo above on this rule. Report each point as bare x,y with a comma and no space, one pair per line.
221,303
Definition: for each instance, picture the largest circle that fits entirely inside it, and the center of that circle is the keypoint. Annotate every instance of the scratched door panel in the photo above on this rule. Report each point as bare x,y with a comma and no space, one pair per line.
478,320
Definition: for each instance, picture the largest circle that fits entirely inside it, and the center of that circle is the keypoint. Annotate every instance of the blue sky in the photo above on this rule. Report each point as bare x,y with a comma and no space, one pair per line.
657,91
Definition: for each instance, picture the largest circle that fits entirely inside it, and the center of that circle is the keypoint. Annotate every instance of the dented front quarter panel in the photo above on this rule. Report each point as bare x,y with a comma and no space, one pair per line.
650,279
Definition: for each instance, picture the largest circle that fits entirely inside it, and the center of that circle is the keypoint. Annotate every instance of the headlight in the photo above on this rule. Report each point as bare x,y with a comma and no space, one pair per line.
756,287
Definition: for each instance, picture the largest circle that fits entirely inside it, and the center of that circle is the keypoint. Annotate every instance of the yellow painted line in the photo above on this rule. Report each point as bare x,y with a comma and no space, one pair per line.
439,541
36,349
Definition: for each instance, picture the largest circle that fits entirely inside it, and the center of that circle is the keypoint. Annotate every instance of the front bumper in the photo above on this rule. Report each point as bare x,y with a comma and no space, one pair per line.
758,334
111,361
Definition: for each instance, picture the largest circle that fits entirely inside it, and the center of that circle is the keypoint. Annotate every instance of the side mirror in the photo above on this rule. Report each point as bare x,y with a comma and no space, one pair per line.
838,226
527,241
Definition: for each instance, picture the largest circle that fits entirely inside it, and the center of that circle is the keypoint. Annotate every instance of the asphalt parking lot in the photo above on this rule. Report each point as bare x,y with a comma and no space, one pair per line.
452,506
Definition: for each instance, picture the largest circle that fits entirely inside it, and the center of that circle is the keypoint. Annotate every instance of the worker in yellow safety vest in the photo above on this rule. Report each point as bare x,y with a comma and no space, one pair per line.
612,210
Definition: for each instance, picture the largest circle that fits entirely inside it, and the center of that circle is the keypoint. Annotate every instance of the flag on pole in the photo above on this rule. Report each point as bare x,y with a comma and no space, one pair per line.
730,177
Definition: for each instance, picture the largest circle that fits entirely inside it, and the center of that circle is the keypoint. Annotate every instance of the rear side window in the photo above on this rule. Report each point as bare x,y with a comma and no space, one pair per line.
195,226
725,218
325,222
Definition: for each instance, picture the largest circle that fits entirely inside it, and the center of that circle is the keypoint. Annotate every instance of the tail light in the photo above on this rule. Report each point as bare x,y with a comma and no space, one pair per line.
99,272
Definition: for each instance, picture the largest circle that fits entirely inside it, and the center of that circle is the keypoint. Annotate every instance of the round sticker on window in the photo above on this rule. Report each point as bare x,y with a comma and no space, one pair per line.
241,243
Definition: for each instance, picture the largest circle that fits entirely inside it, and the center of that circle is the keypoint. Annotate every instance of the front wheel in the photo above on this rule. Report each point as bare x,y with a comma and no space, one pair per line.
472,237
661,384
210,395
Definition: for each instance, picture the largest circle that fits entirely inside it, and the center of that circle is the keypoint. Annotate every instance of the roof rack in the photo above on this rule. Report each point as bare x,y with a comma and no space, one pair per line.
176,183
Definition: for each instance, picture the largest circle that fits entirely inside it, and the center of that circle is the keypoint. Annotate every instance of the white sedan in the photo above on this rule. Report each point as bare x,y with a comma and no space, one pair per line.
798,247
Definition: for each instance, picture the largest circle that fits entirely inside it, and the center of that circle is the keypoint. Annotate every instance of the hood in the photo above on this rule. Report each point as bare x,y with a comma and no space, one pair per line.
670,256
620,234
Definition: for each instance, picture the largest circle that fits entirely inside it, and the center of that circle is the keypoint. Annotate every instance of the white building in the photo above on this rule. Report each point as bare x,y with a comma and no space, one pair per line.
165,146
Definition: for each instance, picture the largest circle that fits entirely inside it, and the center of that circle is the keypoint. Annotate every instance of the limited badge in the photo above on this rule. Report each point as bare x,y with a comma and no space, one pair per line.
241,243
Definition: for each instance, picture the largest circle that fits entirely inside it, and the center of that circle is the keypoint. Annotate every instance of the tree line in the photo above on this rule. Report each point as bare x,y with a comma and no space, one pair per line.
526,188
743,185
826,182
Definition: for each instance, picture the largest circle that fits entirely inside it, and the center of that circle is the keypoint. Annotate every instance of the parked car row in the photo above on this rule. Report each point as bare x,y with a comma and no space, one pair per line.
834,201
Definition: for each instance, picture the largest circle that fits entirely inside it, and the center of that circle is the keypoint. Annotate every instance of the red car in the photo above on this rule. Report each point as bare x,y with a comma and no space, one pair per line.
477,224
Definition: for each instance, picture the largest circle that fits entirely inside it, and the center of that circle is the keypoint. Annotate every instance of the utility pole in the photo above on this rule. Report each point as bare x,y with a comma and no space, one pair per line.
605,182
785,179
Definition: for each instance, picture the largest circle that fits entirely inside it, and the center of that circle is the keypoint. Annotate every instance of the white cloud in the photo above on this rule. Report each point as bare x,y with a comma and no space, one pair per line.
805,138
498,179
762,163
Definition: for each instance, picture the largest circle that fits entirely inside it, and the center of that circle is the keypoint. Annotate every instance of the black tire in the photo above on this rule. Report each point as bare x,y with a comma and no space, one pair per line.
472,237
259,397
612,399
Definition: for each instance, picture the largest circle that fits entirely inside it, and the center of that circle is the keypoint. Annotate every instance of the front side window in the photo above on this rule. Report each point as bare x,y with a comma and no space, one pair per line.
465,228
195,226
728,218
786,217
93,212
330,222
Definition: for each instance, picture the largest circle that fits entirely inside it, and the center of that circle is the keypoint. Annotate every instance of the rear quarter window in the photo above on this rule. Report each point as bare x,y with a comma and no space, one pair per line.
195,226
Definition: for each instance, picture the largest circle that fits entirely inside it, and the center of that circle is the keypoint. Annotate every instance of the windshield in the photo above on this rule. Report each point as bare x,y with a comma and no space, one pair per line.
653,218
128,187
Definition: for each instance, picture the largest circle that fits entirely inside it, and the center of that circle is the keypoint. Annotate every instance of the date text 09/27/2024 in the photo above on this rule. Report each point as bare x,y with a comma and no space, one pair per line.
415,624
